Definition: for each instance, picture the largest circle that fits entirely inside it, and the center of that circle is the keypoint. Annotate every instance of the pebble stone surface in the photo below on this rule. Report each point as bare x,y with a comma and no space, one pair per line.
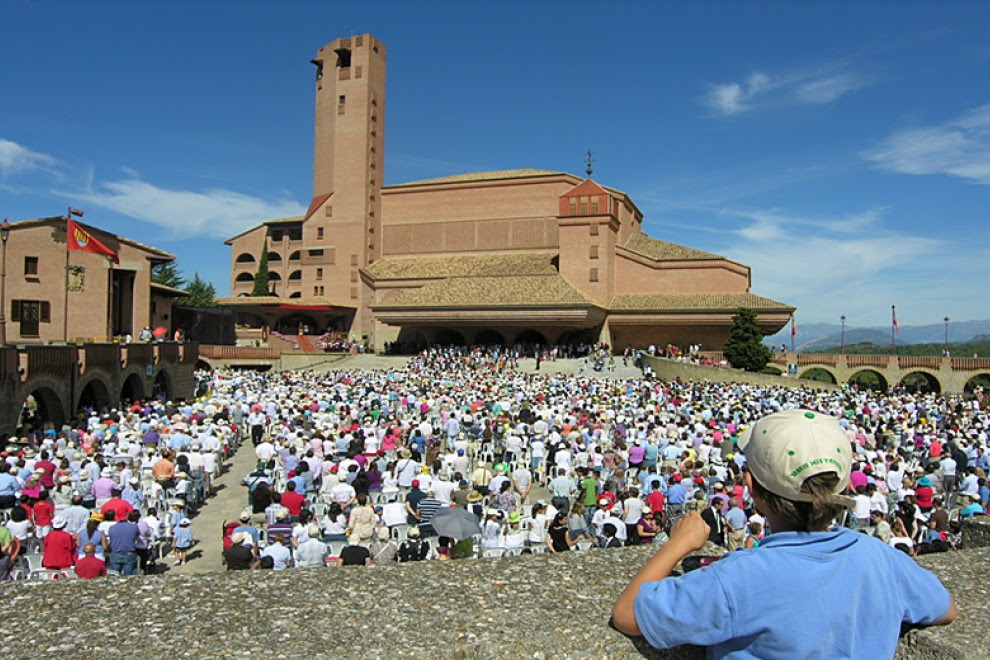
529,607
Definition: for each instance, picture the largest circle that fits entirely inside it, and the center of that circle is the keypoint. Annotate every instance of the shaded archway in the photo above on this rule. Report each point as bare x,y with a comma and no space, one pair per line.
531,337
94,396
979,380
869,379
290,323
449,337
39,406
489,337
408,342
244,277
133,389
162,389
819,375
921,381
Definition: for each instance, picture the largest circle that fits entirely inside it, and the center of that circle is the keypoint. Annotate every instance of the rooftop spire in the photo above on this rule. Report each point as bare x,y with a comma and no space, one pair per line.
590,162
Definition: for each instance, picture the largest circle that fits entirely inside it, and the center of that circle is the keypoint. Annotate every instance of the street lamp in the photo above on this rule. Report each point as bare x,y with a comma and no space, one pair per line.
842,349
945,343
4,235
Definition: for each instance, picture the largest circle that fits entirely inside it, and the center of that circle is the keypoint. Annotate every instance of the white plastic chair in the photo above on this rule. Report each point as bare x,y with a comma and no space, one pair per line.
512,552
583,544
492,552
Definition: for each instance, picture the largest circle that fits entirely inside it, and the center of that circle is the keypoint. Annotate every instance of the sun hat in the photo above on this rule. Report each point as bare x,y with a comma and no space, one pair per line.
383,534
784,449
245,515
474,496
514,517
413,532
313,531
59,523
185,522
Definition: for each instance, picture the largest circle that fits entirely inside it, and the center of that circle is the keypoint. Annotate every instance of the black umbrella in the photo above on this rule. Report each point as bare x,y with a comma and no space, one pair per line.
455,523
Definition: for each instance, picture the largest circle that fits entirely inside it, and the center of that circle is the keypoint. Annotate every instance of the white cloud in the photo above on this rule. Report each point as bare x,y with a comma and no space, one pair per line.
212,213
15,159
758,88
960,148
851,264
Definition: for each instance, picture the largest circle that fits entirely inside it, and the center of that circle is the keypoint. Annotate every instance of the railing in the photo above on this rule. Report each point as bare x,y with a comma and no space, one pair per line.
908,362
54,361
140,354
971,364
218,352
879,361
99,356
189,352
805,359
166,352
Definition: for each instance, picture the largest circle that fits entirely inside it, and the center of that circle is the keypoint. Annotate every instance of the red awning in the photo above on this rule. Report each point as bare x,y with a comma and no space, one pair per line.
302,308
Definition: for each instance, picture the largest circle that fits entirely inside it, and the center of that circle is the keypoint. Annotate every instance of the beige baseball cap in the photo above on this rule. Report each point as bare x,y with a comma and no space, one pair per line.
785,448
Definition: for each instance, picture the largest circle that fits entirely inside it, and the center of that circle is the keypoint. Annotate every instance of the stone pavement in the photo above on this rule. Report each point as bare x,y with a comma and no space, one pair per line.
226,505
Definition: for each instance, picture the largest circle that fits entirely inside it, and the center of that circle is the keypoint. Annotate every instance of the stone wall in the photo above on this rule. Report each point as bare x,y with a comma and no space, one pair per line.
671,369
530,606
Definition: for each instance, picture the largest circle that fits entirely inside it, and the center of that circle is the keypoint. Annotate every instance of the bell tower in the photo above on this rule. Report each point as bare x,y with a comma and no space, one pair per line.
348,163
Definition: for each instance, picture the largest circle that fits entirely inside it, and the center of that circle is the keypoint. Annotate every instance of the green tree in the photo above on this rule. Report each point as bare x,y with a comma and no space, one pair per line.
261,277
168,274
745,348
201,294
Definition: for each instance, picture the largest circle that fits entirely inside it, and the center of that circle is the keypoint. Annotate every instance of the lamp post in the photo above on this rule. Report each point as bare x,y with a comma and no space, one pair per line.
842,348
4,235
945,343
65,307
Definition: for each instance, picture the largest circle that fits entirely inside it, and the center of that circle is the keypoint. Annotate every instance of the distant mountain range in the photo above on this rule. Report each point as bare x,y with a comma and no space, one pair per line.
818,336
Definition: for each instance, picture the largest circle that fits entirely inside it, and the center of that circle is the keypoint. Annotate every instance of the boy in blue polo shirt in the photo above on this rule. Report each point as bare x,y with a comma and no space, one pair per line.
806,591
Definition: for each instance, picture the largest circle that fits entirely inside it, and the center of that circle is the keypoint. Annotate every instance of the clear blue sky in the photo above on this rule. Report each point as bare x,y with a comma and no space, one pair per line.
840,149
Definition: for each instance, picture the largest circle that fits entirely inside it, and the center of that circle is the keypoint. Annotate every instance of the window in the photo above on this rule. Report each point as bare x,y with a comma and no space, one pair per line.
593,228
329,211
245,277
354,260
343,57
354,276
584,207
593,275
593,252
315,253
357,72
294,256
295,275
319,233
571,207
245,258
319,273
30,314
31,266
594,206
353,292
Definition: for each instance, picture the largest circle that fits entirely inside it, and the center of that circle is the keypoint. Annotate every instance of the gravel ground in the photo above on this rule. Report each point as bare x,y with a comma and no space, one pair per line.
532,606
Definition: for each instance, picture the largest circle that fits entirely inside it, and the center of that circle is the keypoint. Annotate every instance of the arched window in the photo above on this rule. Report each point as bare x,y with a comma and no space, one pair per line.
296,294
245,277
274,277
295,275
274,256
295,256
245,258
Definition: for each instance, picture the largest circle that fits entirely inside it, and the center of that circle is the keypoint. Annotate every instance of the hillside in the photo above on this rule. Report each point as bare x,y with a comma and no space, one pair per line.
968,349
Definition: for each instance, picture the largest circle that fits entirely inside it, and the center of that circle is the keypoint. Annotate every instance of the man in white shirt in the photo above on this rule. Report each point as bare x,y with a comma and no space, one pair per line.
442,490
522,481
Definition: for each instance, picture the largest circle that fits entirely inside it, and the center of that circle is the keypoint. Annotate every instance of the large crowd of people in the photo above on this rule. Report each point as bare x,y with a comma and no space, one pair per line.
358,467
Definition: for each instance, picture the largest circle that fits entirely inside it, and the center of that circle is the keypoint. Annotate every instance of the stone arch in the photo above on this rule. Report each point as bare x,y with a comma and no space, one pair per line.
274,277
162,387
531,337
296,294
920,380
133,388
295,256
94,393
449,336
274,256
295,275
489,337
49,404
244,277
871,379
819,374
978,380
245,258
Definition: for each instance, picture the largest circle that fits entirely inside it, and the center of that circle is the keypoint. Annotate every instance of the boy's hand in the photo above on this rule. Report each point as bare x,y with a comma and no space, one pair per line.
690,532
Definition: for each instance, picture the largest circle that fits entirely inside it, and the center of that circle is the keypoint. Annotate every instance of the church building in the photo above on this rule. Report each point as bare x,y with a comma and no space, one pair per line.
525,255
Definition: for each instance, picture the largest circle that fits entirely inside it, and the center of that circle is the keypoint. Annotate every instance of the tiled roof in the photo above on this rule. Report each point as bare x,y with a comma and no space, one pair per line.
267,223
695,302
663,251
462,265
513,291
481,176
55,220
169,291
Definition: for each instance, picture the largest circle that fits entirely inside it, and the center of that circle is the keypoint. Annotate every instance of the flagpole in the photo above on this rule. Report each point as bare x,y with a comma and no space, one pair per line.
893,322
109,300
65,306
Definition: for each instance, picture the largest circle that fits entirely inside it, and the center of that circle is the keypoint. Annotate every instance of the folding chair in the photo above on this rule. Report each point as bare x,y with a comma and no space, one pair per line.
492,552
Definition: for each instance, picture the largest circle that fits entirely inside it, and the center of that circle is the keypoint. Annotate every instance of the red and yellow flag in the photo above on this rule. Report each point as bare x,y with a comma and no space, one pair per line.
82,240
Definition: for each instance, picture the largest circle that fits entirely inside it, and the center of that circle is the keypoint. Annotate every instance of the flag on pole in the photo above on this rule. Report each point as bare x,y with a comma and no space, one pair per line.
793,328
893,313
82,240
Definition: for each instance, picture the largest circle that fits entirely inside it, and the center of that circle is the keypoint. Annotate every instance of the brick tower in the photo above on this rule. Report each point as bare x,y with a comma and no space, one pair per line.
348,167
